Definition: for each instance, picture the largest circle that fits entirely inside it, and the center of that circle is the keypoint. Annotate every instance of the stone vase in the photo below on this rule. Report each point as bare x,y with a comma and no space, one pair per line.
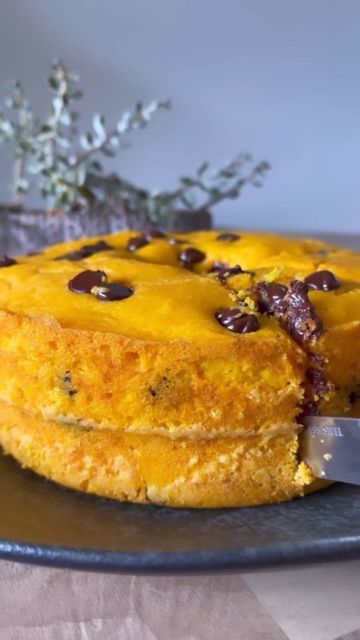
29,230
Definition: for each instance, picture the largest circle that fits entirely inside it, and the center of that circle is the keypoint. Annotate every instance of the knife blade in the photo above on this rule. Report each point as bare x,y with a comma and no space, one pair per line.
331,448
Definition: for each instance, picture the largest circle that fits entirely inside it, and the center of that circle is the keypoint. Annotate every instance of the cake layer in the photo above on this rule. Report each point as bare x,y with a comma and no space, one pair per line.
223,472
240,384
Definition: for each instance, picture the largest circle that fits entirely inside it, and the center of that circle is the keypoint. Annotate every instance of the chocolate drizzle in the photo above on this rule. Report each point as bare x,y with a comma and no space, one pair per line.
271,298
316,386
354,396
297,316
292,307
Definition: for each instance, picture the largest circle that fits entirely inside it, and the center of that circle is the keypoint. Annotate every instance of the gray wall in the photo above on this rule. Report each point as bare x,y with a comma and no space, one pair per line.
279,78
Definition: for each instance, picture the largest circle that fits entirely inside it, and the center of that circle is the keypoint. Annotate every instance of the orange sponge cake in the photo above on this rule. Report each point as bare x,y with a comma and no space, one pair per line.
175,369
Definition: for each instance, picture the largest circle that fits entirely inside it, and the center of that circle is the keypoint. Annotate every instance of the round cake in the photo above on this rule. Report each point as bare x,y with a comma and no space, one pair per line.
176,369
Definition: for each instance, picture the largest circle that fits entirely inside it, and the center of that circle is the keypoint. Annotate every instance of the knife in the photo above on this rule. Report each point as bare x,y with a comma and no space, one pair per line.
331,448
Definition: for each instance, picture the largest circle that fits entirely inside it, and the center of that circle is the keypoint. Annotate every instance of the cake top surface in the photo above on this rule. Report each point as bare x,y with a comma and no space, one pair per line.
153,286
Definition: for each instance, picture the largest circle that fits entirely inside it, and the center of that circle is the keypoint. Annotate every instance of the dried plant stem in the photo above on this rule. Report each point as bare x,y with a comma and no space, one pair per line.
233,190
19,173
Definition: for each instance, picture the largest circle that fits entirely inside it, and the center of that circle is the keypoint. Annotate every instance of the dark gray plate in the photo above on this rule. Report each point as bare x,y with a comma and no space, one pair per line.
43,523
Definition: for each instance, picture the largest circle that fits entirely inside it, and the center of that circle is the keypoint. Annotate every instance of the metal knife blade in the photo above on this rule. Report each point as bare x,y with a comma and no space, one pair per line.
331,448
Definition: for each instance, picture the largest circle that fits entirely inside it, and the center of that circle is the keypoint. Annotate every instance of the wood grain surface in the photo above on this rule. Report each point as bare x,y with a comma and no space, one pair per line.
38,603
315,603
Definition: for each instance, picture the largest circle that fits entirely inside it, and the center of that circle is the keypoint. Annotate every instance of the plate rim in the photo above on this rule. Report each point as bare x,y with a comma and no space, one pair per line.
242,559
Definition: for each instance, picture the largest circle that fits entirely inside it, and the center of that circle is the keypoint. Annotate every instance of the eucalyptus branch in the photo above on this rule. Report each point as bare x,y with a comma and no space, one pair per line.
227,182
46,151
64,164
140,117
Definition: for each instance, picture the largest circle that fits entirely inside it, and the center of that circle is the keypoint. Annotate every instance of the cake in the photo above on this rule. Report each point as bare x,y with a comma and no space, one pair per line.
176,369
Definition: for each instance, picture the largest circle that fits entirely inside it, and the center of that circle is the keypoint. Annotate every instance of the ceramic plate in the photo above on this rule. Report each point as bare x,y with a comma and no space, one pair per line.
43,523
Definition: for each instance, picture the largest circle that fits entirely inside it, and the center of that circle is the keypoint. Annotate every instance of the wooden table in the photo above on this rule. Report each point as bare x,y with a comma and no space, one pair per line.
315,603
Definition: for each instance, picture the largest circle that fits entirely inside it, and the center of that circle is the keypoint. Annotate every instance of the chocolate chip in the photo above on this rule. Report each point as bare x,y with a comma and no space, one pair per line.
323,281
236,321
297,314
112,291
86,280
228,237
72,255
176,241
150,234
219,266
67,384
160,387
136,243
191,256
86,251
354,396
5,261
270,297
89,249
228,272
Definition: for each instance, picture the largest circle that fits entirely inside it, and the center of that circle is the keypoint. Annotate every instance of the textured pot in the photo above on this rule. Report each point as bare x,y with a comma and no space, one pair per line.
23,231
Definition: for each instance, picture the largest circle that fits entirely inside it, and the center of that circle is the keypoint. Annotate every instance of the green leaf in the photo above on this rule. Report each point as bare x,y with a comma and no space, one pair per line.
7,128
65,118
114,141
202,169
57,104
63,142
86,141
53,82
80,176
35,168
187,182
98,123
22,185
123,123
